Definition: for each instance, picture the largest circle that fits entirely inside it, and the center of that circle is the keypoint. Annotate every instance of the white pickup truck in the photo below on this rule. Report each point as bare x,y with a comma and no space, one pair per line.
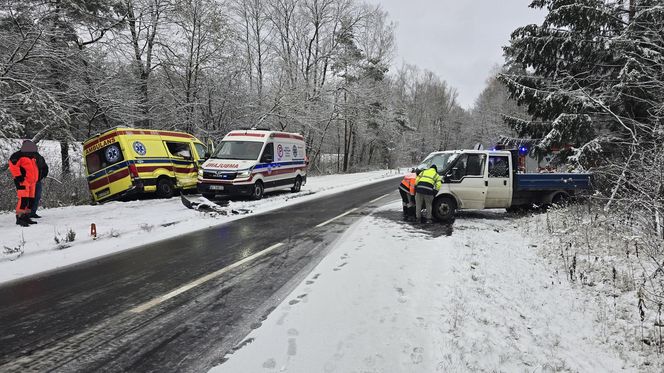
484,179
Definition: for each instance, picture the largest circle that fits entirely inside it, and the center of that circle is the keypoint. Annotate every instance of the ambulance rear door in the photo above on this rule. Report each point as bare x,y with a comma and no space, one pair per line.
106,167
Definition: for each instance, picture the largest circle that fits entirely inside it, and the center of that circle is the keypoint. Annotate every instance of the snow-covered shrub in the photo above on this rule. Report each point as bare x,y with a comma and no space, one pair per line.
617,256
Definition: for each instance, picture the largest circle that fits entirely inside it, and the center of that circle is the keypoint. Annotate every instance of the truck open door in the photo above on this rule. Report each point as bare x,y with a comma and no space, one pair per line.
499,183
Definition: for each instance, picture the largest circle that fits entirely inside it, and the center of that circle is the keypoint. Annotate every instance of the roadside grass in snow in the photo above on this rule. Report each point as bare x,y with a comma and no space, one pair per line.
617,258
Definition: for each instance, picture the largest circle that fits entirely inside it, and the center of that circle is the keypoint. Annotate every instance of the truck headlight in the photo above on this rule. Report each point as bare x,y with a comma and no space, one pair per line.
200,172
243,174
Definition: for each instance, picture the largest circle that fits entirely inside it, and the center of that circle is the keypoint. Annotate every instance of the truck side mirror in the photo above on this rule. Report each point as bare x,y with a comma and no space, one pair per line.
207,155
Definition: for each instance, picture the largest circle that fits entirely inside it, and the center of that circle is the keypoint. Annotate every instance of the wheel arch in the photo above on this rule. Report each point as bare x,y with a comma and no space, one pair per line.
449,195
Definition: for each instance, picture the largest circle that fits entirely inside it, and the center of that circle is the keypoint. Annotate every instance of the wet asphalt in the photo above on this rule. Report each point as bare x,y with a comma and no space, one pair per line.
78,319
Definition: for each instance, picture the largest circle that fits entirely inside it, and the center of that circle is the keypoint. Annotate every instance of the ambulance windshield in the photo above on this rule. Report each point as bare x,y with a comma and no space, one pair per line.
241,150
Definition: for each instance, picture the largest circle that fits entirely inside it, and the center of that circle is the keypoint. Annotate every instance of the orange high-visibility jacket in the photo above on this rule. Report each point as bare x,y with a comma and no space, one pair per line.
24,169
408,184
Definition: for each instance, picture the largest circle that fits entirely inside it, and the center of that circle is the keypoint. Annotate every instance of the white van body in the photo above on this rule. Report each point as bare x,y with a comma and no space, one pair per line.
252,162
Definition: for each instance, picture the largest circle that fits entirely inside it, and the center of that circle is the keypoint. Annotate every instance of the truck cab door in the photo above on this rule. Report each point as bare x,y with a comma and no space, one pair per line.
467,180
499,185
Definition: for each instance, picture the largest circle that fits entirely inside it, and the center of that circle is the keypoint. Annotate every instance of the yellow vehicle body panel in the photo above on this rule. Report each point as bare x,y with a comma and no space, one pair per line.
128,160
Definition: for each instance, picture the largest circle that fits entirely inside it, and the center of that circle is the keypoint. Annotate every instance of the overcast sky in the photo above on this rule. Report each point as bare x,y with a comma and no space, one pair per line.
459,40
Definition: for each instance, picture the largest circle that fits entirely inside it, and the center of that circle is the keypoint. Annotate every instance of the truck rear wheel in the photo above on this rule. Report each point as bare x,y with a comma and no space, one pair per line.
444,209
560,199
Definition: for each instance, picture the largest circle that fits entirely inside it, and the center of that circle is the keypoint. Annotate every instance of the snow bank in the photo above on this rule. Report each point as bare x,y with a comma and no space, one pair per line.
393,297
125,225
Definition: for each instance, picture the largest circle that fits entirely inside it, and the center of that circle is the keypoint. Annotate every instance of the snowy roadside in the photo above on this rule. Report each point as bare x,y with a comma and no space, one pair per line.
393,297
125,225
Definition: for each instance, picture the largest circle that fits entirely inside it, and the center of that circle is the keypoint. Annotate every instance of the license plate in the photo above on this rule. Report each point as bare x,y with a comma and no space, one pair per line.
216,187
103,193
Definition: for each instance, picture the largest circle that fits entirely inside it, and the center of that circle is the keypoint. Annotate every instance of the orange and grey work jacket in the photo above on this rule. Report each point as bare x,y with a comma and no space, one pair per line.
408,184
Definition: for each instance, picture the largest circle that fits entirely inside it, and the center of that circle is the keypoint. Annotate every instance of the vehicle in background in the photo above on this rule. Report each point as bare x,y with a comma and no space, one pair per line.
481,179
253,162
127,161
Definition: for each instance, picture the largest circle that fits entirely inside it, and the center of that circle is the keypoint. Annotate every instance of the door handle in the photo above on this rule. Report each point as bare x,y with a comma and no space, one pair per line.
486,183
505,182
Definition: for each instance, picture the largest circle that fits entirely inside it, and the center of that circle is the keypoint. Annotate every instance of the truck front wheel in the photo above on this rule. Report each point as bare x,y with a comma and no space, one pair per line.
444,209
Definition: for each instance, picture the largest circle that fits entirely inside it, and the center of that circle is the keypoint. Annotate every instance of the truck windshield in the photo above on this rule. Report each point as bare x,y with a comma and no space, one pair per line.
241,150
441,160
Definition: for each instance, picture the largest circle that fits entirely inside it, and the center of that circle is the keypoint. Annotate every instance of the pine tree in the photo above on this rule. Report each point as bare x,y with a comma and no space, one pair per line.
593,76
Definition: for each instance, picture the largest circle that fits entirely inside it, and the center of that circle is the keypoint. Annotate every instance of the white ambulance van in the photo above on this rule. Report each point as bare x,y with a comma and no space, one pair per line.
253,162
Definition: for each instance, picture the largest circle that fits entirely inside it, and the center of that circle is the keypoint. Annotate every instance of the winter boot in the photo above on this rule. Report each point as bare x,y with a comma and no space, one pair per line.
34,216
21,221
27,219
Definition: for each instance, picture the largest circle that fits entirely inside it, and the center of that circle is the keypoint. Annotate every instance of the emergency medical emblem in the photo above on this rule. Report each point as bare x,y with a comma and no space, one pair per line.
280,151
112,154
294,151
139,148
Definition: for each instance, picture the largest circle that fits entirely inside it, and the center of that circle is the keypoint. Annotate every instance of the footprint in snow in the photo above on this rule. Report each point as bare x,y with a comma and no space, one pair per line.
340,265
270,363
416,356
282,318
292,347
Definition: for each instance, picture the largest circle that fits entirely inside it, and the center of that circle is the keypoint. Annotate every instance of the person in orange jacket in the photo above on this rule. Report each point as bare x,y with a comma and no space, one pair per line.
407,191
24,170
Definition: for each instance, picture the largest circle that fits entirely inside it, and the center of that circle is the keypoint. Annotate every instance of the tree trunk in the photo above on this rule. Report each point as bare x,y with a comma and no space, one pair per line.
64,157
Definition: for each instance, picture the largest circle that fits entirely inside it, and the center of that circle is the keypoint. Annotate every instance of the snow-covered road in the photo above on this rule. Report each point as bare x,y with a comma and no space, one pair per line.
124,225
398,297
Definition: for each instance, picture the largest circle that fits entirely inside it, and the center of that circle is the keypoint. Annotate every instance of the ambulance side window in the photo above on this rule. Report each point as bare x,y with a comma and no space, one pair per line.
179,149
268,153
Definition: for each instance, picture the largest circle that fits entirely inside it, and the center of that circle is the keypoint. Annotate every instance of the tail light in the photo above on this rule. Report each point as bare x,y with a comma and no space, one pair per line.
133,171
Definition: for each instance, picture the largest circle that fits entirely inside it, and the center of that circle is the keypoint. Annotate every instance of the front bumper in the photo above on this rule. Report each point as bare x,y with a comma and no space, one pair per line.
229,189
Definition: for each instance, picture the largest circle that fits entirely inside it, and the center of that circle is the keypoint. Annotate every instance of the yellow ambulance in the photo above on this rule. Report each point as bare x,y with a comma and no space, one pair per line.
125,161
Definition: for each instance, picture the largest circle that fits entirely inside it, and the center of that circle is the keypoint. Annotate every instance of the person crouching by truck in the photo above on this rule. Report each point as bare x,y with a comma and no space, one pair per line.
427,185
24,170
407,191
